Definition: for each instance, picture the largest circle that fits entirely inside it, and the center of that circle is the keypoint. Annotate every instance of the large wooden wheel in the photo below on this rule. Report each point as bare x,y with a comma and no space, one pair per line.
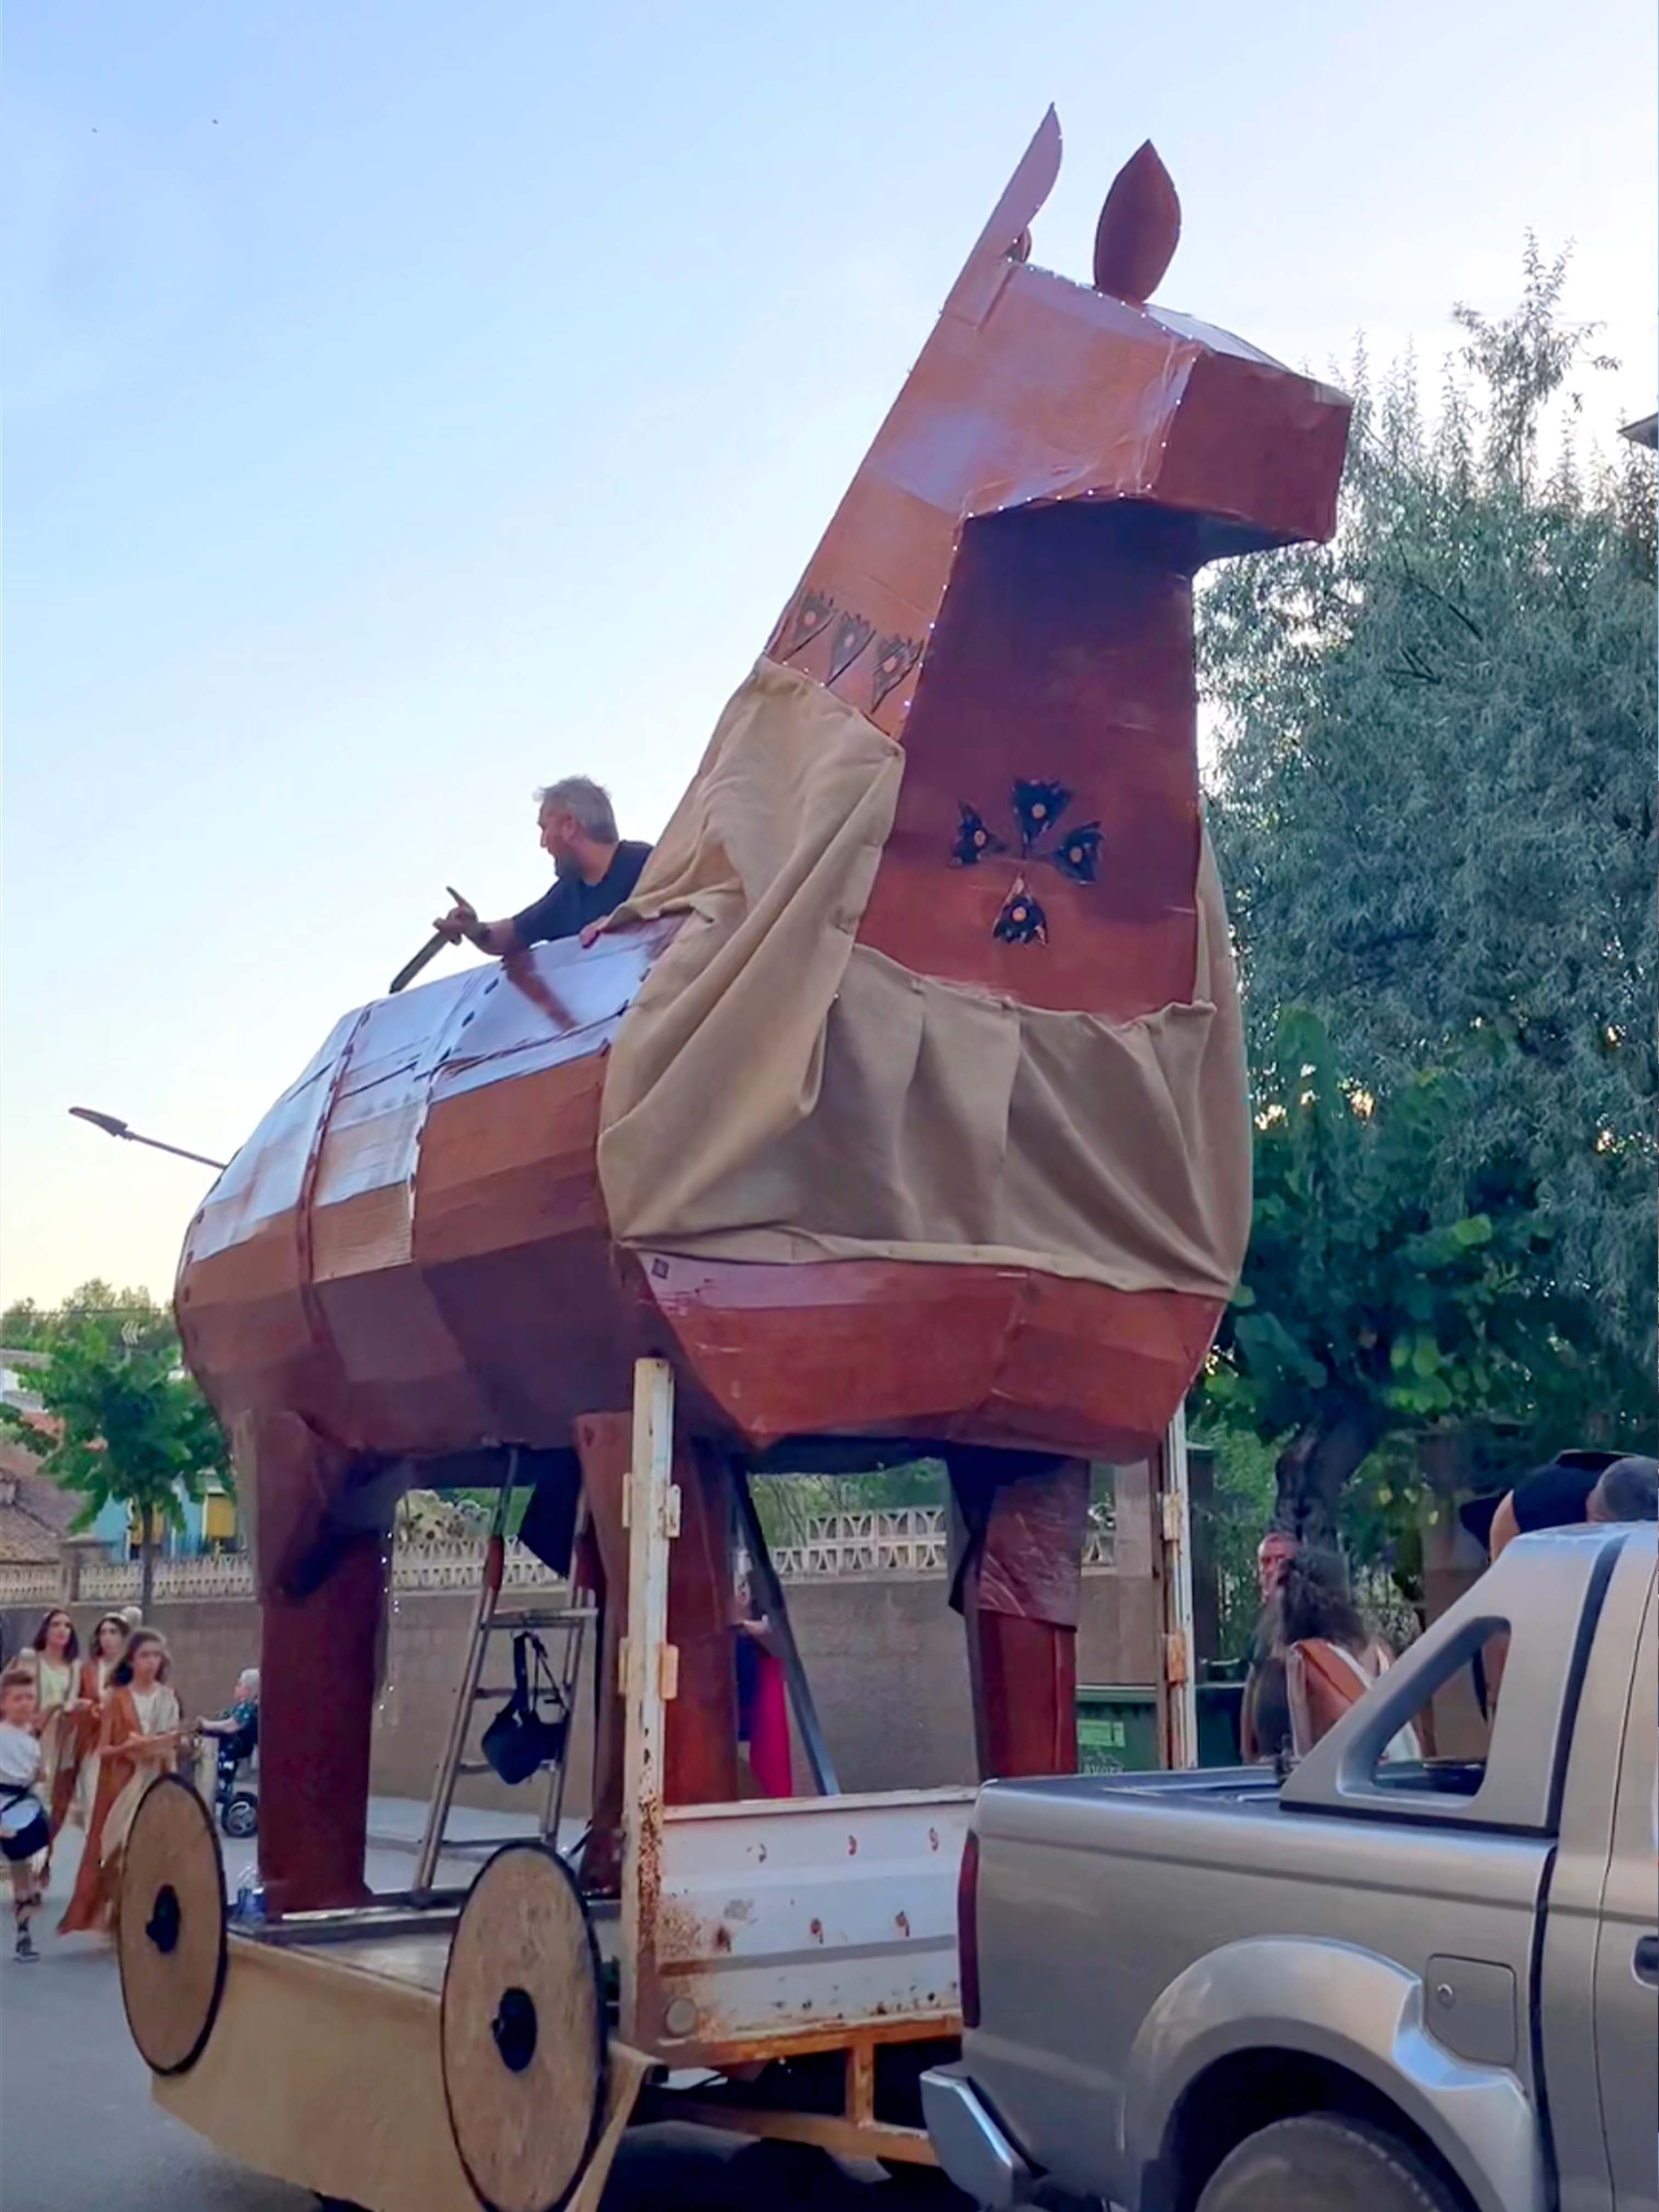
170,1929
523,2033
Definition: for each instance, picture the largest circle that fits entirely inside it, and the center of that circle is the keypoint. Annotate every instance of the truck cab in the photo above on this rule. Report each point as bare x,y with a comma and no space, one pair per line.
1378,1981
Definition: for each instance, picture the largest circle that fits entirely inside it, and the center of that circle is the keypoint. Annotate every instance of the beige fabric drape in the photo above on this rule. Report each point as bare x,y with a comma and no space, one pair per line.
778,1093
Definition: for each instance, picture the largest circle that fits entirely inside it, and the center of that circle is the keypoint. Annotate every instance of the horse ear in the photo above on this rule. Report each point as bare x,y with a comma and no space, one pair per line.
1007,237
1139,226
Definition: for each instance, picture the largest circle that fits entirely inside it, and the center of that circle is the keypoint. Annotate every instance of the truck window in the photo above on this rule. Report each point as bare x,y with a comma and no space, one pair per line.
1451,1727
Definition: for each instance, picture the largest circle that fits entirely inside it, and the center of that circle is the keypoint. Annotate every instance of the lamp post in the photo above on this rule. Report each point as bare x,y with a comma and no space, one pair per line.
112,1126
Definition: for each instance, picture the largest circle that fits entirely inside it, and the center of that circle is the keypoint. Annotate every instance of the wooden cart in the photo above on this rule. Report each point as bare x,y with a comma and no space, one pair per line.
780,1968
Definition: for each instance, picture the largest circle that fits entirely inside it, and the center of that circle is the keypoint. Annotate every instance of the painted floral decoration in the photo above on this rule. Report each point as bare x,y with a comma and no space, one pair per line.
1036,807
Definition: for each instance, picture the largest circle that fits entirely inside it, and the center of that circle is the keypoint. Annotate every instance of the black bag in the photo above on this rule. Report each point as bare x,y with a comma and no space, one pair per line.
28,1842
519,1740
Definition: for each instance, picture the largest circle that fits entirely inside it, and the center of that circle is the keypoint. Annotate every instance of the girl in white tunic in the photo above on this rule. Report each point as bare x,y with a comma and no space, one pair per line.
57,1714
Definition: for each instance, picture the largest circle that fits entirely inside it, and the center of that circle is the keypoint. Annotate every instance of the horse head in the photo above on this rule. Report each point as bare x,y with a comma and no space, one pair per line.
1007,588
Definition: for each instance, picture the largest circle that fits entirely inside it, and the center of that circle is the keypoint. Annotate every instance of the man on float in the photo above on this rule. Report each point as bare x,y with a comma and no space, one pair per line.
595,869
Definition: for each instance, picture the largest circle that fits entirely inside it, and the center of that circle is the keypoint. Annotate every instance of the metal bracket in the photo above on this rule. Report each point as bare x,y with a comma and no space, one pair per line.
668,1669
671,1510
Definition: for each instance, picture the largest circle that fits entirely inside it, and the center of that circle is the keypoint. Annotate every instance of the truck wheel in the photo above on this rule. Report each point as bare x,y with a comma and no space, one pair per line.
1322,2162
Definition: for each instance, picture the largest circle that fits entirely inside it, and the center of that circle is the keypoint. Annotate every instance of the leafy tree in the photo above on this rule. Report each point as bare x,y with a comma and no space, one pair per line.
1228,1522
1434,810
787,1505
26,1327
23,1325
123,1420
1386,1287
453,1516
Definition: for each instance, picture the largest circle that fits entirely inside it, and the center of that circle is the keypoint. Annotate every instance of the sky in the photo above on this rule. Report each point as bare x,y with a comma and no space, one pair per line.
407,404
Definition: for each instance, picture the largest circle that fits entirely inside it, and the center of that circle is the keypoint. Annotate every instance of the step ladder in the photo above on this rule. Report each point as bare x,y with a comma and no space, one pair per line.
565,1627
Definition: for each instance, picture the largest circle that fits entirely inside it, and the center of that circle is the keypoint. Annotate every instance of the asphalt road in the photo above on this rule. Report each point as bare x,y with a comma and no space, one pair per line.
79,2133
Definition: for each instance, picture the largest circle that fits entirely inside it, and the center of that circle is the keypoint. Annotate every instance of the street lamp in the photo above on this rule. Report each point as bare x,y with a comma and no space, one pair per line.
114,1127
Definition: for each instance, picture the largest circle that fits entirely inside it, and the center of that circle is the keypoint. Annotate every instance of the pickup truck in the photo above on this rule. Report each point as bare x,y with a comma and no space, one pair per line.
1372,1985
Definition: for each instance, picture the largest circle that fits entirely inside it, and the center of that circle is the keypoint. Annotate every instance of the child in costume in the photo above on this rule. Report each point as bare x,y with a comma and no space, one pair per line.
25,1831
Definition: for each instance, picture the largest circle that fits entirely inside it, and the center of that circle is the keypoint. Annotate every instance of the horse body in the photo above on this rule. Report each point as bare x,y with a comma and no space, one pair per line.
417,1255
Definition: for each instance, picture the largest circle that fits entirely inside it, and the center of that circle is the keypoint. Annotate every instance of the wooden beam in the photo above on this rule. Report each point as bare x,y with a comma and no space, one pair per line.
861,2084
652,1504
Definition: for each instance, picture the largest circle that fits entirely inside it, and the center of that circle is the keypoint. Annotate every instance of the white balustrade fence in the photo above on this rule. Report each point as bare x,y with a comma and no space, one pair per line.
909,1540
24,1584
912,1539
215,1575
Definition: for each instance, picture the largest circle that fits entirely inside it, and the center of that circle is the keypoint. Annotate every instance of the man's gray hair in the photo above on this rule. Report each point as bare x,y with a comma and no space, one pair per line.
588,801
1629,1489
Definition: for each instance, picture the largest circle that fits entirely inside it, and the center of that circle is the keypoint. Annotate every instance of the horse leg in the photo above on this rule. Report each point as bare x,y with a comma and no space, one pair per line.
322,1598
1023,1677
1018,1587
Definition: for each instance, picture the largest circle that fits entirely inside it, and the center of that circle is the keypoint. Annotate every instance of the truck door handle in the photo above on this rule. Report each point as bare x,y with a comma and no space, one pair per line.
1646,1960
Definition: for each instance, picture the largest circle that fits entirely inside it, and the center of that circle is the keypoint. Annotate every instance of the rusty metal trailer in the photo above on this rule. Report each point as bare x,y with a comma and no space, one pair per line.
781,1968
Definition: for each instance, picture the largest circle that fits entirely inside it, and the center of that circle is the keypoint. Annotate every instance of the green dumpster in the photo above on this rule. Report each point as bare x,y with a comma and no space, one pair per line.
1220,1709
1117,1728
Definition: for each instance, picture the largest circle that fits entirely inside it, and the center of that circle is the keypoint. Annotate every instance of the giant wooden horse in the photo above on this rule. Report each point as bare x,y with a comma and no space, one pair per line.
905,1103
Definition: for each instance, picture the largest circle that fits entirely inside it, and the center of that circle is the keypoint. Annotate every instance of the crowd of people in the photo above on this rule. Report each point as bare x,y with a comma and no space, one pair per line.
1313,1653
80,1740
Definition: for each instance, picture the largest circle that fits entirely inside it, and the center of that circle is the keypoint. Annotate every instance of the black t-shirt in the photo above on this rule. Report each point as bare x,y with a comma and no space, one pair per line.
567,909
1554,1498
1551,1497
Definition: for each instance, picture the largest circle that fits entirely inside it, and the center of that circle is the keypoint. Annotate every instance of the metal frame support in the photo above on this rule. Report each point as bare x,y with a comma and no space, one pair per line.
553,1804
1174,1534
652,1501
443,1786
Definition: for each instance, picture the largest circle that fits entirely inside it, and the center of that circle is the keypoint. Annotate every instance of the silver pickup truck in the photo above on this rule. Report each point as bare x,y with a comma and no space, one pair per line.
1377,1986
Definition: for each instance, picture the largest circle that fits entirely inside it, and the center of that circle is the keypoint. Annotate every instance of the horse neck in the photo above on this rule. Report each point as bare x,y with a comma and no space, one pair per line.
1073,621
1063,653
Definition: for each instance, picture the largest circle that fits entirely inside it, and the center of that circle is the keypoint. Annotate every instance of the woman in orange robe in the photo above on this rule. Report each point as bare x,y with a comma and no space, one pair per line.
137,1740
